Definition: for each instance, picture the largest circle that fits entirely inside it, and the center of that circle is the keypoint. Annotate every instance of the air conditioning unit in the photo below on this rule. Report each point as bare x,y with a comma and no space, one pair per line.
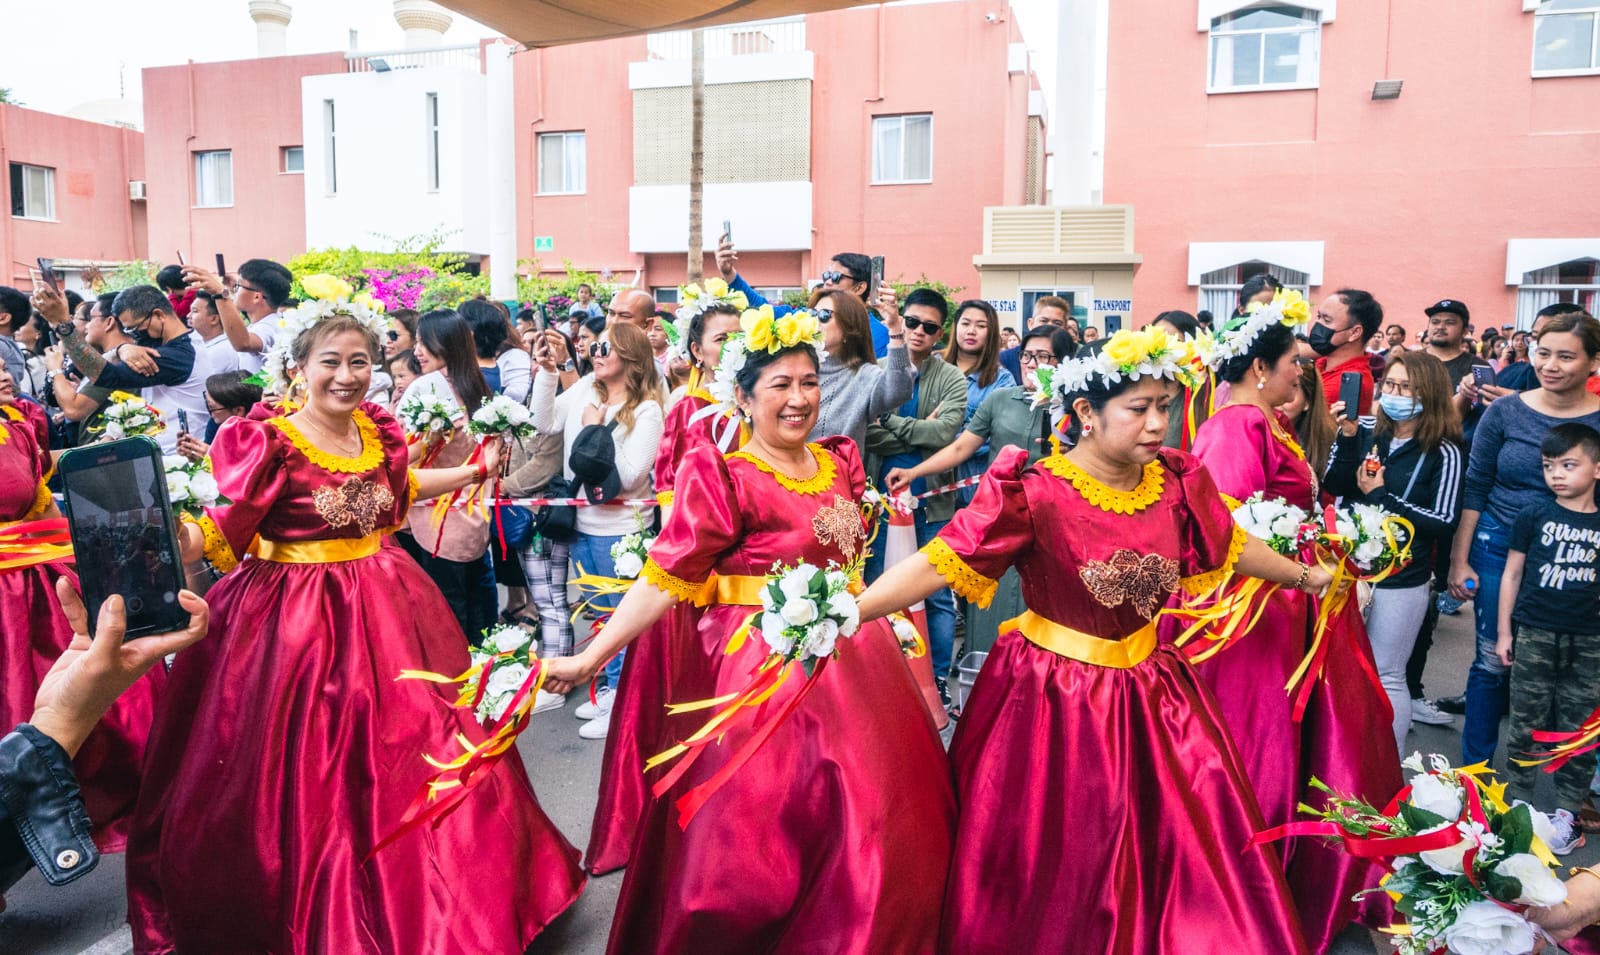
136,190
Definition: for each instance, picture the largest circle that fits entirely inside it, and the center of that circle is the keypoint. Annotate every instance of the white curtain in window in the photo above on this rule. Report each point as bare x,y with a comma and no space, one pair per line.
213,178
551,160
39,192
887,148
576,162
918,139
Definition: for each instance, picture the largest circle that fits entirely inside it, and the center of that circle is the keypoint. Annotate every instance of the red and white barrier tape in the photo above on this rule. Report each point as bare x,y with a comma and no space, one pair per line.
652,502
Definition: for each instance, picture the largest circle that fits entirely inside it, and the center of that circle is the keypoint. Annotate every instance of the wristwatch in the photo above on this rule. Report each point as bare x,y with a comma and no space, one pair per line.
569,365
64,330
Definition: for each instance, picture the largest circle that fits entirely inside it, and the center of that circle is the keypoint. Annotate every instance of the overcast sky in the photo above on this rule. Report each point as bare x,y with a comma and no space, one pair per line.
54,56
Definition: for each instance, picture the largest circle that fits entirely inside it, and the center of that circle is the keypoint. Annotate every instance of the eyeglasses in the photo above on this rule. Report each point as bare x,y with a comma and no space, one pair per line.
1389,387
1038,357
240,286
917,325
824,315
599,349
394,336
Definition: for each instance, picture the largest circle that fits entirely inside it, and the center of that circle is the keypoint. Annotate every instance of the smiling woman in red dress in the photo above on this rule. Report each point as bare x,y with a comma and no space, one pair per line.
284,748
1102,805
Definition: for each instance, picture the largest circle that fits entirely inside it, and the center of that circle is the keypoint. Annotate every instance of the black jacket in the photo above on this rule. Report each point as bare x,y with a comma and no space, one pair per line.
42,819
1433,504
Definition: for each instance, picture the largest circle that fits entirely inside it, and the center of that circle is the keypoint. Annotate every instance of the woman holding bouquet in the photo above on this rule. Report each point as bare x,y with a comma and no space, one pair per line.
835,835
107,766
1103,808
1248,448
284,749
657,668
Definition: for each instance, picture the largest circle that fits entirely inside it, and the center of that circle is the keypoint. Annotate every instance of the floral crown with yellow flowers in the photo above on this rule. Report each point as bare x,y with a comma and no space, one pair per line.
1288,307
1148,353
330,296
694,299
760,331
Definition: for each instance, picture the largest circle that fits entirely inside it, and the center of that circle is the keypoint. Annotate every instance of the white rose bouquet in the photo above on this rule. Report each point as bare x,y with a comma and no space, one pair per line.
501,419
805,609
628,554
190,484
504,661
1374,541
1275,522
127,415
427,418
1464,864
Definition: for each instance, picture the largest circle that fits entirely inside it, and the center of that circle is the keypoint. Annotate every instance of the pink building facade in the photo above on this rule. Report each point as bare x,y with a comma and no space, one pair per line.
67,194
1253,137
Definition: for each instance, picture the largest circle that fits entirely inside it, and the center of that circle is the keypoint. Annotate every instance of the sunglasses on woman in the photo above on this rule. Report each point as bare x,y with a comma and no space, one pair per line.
599,349
824,315
394,336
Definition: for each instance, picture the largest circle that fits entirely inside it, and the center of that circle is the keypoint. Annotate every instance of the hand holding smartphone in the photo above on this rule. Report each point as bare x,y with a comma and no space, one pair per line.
876,281
1350,394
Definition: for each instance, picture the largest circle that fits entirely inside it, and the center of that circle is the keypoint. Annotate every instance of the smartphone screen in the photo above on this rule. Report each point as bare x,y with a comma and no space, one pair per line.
1350,394
47,273
222,269
877,277
123,533
727,230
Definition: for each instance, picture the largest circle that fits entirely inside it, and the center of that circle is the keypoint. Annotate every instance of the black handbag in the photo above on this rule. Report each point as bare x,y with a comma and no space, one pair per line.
557,522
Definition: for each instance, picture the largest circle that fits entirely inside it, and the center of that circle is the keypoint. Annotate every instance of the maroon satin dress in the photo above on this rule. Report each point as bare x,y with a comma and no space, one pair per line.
284,748
1344,714
650,677
835,837
1103,809
33,633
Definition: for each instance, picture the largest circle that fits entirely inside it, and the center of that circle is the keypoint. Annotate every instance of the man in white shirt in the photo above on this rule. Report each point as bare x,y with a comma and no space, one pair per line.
250,317
210,338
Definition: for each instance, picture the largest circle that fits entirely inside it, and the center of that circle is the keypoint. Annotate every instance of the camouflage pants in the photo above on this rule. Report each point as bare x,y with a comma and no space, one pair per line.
1555,684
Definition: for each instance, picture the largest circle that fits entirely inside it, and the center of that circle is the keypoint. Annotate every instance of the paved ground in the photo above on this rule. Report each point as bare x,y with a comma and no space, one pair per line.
88,916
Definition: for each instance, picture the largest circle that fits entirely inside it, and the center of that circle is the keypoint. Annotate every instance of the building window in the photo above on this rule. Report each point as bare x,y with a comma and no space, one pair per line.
1566,37
1577,281
1219,290
294,159
330,147
902,148
433,141
213,178
1264,48
563,162
1078,298
665,295
33,191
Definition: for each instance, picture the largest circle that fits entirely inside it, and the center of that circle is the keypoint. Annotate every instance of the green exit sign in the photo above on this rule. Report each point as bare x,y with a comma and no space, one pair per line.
544,243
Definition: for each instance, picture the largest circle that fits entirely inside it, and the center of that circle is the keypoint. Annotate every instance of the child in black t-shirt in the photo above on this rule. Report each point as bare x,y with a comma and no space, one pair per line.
1550,598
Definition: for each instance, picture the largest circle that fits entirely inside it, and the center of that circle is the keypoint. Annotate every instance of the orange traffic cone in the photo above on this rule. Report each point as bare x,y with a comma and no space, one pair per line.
900,542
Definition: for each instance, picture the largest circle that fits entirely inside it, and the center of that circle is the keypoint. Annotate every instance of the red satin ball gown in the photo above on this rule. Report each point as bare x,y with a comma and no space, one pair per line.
35,633
1247,453
659,664
284,748
1103,808
835,837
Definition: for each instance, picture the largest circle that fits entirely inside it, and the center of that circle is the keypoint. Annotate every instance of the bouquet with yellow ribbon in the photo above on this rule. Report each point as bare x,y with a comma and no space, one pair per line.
127,416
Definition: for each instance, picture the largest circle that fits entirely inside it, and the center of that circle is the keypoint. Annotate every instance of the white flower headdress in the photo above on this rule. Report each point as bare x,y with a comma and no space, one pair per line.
330,296
694,299
759,330
1148,353
1288,307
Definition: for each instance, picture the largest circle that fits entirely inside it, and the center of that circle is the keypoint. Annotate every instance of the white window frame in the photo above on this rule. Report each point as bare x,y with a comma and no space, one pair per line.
211,198
899,120
1592,10
665,295
283,161
1316,49
1544,286
27,193
1081,297
1224,284
330,147
431,118
569,185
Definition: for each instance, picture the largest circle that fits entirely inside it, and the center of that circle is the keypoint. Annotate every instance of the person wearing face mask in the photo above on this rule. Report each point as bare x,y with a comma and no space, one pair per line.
1344,322
1409,463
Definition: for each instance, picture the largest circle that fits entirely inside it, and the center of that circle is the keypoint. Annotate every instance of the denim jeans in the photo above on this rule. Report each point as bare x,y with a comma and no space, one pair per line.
593,554
940,605
1488,688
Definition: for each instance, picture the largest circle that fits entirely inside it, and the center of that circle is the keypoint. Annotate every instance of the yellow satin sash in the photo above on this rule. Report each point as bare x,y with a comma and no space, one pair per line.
318,552
1121,654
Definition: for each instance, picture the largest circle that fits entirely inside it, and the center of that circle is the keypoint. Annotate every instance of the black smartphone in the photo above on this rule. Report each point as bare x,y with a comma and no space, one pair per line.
222,269
876,281
727,231
1350,394
123,533
47,274
1482,375
183,421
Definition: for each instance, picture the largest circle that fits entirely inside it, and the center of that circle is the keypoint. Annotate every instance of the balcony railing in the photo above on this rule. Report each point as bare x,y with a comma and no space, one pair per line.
787,35
461,57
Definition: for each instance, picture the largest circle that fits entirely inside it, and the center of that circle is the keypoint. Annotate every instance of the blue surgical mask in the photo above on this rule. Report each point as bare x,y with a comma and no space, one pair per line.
1400,407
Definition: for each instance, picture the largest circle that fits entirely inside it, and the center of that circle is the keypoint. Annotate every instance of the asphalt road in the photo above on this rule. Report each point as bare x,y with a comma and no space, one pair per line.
88,916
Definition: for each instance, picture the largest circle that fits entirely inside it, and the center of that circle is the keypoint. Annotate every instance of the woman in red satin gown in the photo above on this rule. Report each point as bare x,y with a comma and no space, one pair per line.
284,748
35,633
1103,808
835,836
660,665
1248,447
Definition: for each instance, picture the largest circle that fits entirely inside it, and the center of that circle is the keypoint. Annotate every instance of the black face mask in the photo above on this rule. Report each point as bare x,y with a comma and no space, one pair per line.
1321,339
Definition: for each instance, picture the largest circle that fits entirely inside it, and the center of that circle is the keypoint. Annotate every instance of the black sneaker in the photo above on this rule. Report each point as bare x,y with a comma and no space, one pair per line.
944,690
1452,704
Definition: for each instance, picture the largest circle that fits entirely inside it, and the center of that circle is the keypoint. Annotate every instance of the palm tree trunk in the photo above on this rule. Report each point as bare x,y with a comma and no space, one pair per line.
697,153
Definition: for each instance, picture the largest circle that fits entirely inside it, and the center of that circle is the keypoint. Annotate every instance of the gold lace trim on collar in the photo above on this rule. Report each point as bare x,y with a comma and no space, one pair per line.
1148,491
371,447
815,484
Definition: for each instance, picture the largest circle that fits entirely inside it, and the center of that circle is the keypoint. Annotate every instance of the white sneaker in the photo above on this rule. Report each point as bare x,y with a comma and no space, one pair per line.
548,701
601,705
598,727
1567,834
1423,711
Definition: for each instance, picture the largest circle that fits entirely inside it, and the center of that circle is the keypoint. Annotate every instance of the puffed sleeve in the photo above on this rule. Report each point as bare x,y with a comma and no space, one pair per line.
677,437
847,455
1211,540
988,535
688,547
1233,447
248,461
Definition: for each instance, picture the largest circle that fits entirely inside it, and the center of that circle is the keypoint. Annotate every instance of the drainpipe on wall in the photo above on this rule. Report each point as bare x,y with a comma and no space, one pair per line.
8,247
188,162
500,122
